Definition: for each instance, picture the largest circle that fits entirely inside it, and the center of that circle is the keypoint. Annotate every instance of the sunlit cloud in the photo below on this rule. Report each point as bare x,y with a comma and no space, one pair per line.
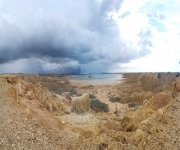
89,36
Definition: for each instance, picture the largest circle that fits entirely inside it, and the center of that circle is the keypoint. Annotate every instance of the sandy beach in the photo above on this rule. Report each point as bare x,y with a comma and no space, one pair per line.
97,79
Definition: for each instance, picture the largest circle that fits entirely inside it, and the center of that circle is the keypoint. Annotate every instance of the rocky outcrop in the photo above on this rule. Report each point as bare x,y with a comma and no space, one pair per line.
23,91
127,124
136,97
140,97
146,95
81,104
176,87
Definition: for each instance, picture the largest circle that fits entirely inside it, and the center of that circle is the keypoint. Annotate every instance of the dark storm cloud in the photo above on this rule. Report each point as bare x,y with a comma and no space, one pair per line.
55,37
66,70
61,31
100,21
45,40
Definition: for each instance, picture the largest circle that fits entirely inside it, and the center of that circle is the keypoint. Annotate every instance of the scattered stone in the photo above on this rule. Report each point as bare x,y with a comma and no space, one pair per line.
63,122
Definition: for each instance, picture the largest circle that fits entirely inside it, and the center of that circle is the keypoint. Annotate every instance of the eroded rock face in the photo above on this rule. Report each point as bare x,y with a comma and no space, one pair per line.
140,97
136,97
147,95
81,104
176,87
127,124
24,91
13,80
152,125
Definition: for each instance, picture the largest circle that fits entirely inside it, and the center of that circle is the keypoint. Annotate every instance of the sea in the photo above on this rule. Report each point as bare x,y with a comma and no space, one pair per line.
98,79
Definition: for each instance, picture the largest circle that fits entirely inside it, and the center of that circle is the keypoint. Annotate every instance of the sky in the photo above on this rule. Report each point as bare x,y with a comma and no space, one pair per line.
89,36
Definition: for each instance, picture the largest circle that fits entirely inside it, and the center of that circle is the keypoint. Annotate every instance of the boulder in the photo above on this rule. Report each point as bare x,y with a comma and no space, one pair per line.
81,104
13,80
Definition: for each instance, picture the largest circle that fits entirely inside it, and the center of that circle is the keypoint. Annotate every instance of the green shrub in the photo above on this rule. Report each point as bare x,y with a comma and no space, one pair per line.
73,91
133,104
159,76
79,94
177,75
98,106
91,96
115,99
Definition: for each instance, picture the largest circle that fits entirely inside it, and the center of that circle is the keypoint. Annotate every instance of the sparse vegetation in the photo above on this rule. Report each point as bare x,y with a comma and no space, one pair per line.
159,76
98,106
177,75
73,91
115,99
91,96
133,104
79,94
68,97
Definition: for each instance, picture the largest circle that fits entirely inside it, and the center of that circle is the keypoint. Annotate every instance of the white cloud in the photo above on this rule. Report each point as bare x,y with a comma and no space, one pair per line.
163,23
131,25
132,6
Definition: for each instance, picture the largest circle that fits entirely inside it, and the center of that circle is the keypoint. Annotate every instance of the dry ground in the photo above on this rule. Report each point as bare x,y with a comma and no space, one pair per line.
33,114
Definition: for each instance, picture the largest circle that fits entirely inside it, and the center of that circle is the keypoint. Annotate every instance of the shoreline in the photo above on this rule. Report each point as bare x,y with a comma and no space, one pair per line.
112,80
96,82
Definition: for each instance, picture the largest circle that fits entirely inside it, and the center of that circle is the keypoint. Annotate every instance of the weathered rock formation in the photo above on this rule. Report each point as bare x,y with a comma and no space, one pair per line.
140,97
23,91
81,104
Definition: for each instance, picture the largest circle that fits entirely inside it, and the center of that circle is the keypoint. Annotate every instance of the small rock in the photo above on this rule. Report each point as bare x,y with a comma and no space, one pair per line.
160,111
63,122
28,113
138,133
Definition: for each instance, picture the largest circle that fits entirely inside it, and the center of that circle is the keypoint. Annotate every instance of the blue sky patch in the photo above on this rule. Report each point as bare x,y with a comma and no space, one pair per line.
159,26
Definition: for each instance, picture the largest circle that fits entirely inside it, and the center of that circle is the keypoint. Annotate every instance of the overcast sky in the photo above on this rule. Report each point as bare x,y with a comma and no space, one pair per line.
89,36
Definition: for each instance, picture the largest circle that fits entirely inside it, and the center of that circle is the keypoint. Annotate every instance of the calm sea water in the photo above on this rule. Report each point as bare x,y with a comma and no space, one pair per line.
97,78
